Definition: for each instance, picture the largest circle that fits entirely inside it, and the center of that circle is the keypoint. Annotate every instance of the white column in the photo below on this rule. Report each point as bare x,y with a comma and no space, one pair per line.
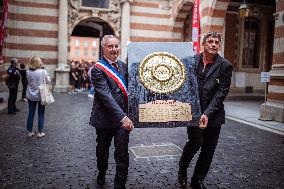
125,27
62,71
63,33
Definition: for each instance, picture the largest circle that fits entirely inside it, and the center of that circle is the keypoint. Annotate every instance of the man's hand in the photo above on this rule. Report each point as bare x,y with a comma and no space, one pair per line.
203,121
127,124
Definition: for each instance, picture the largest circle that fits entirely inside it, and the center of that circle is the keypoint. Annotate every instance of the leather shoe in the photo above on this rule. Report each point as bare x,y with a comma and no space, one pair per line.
101,179
182,178
11,112
197,185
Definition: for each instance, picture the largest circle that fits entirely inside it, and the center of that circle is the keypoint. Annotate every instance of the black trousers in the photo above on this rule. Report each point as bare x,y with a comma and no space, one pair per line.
121,155
12,99
24,91
204,139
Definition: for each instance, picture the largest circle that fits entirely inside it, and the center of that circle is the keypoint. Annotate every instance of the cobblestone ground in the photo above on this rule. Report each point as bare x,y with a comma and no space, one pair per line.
246,157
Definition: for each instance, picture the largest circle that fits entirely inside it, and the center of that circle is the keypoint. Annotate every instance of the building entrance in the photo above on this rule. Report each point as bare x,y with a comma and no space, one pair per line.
85,39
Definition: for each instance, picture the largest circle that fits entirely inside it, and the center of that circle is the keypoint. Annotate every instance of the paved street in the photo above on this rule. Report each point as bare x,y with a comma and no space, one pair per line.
246,157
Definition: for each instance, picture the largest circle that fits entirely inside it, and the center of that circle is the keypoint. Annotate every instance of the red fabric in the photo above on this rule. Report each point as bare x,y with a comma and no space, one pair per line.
196,26
116,80
3,25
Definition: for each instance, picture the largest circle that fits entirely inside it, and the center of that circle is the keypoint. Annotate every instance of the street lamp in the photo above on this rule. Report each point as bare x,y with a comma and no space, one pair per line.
244,9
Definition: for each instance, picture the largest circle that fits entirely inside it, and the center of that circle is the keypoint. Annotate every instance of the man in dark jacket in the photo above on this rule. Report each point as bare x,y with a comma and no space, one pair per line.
13,82
108,116
214,78
23,73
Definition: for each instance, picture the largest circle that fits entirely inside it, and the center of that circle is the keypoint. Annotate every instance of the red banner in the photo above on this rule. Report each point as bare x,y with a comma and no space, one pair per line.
3,25
196,26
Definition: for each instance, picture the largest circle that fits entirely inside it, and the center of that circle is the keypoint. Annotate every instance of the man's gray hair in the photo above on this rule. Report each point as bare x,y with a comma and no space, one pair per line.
13,60
106,38
212,34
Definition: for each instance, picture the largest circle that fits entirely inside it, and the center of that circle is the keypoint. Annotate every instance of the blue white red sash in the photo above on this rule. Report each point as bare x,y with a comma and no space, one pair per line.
114,74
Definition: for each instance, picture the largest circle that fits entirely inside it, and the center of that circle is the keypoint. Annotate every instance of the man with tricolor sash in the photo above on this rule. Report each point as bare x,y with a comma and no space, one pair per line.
109,116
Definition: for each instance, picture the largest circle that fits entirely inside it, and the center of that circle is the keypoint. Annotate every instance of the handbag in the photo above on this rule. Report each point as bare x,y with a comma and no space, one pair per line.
45,93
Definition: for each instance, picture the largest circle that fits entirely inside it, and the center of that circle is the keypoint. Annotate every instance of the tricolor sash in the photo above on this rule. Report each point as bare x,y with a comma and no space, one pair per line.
114,74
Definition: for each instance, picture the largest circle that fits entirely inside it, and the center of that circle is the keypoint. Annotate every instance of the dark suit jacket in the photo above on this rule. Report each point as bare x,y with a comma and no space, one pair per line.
215,89
110,104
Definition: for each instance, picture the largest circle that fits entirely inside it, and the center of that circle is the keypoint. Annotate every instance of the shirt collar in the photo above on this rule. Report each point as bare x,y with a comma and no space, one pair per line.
207,62
109,61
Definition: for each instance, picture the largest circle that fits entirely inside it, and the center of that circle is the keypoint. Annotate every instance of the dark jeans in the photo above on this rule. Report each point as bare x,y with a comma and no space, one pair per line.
24,91
12,99
32,109
121,156
207,140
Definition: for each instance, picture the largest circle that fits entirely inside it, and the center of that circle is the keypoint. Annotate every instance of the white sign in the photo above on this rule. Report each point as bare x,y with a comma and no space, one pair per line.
265,77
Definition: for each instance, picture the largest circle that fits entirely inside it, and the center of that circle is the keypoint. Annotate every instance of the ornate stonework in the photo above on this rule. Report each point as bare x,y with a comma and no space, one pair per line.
112,15
75,3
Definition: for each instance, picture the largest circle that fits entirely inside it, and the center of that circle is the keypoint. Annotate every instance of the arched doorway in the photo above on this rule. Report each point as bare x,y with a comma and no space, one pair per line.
85,39
183,21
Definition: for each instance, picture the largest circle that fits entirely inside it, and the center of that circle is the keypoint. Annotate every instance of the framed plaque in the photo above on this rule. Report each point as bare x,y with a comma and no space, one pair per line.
162,85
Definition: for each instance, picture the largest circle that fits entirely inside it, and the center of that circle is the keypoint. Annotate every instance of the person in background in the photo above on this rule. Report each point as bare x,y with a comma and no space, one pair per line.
73,77
12,83
81,77
23,73
86,84
92,88
36,75
77,86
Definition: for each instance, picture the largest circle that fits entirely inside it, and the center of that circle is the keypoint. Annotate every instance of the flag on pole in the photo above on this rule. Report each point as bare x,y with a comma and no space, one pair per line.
196,26
3,17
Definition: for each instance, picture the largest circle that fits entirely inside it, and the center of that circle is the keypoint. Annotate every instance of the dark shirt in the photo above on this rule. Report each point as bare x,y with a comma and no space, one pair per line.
201,75
75,71
13,78
80,72
24,76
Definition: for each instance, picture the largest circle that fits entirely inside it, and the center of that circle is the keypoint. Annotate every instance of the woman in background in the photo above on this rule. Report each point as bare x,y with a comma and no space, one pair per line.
73,77
36,76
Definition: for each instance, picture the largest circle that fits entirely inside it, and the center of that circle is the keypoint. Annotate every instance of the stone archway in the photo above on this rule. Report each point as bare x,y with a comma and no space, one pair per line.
112,15
93,26
84,40
183,17
92,21
102,26
213,14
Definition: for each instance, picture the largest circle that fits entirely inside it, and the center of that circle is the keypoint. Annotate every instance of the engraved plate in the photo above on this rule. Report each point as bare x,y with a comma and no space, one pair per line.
162,72
164,111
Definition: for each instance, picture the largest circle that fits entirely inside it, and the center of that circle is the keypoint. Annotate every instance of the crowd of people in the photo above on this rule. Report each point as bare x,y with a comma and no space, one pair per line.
80,78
